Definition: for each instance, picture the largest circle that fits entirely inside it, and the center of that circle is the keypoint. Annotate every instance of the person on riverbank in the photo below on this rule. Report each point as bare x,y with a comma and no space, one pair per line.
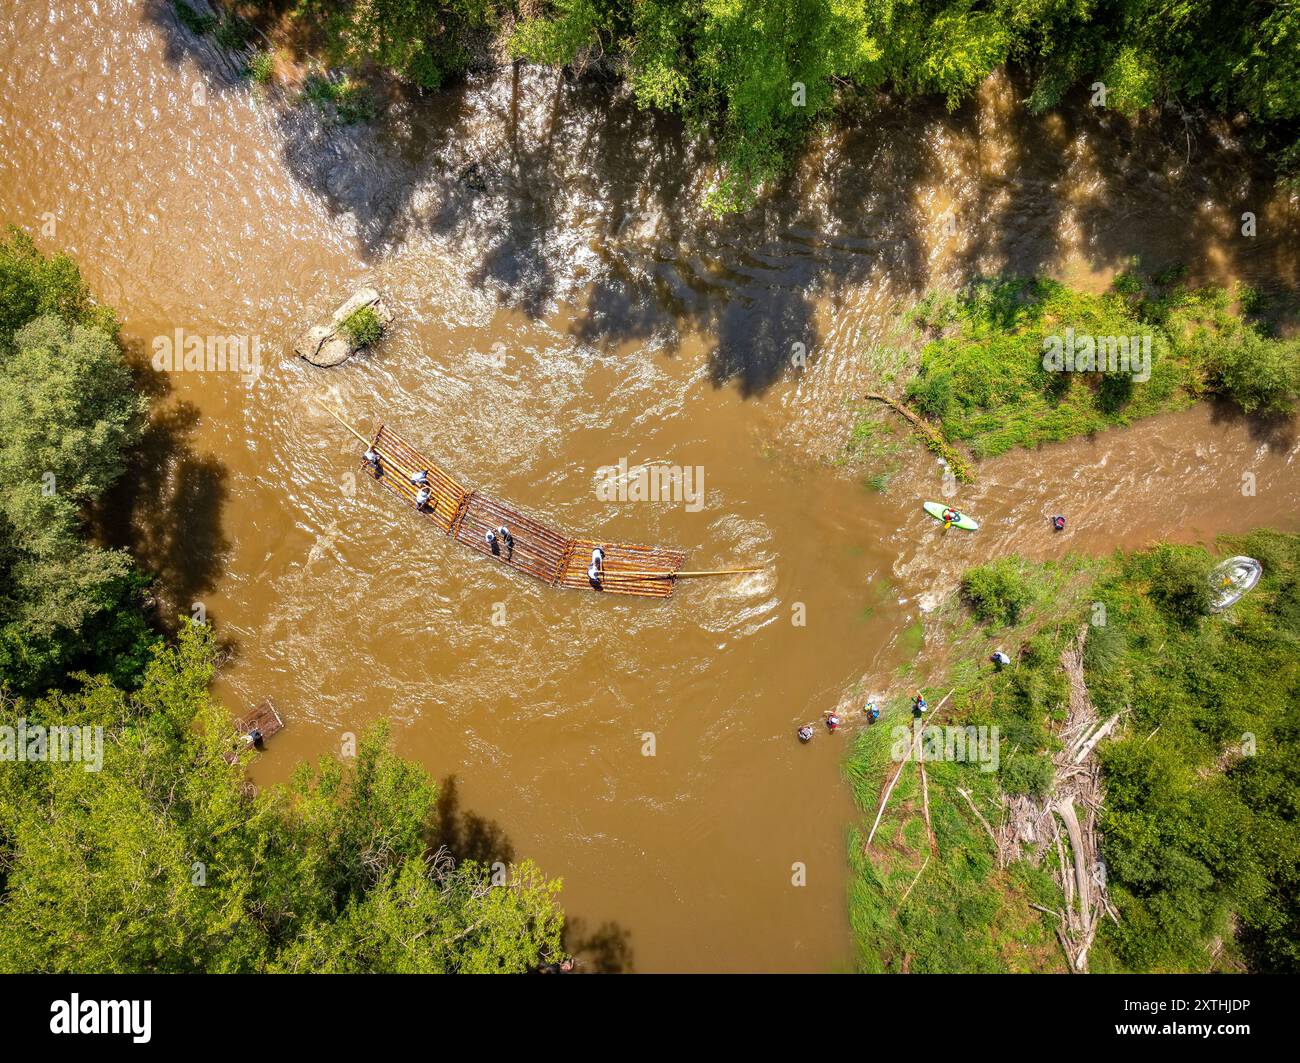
918,705
1000,660
872,712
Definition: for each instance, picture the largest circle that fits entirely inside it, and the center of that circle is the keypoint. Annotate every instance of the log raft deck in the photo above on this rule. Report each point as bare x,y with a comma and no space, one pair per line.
265,719
467,516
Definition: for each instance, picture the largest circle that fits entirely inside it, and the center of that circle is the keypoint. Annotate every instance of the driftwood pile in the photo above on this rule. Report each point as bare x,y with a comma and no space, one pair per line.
1028,827
1074,800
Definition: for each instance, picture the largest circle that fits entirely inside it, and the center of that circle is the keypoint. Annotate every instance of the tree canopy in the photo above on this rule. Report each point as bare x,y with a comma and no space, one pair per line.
69,417
166,860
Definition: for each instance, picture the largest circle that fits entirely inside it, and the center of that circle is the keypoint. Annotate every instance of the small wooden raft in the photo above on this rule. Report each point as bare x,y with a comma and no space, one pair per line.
265,719
539,551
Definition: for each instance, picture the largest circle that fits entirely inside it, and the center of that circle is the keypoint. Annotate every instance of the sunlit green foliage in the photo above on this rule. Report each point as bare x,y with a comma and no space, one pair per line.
987,382
732,65
1200,827
421,41
165,860
362,327
69,415
757,75
996,591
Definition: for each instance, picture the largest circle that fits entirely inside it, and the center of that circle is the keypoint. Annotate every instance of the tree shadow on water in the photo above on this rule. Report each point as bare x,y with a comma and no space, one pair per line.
605,949
559,191
466,835
1275,431
166,508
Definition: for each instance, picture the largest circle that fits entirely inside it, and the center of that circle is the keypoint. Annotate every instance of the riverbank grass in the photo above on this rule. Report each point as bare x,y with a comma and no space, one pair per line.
1008,362
1200,829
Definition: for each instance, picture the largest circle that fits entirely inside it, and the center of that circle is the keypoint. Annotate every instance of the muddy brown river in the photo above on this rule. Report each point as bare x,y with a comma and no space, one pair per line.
561,306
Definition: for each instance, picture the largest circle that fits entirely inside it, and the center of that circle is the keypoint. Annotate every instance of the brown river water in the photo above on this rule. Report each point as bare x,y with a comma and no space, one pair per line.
562,305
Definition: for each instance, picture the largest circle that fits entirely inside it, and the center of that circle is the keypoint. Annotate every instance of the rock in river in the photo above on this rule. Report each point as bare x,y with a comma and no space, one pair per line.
326,344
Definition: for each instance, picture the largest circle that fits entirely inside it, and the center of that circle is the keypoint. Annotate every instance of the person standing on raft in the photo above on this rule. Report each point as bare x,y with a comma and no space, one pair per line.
596,570
372,458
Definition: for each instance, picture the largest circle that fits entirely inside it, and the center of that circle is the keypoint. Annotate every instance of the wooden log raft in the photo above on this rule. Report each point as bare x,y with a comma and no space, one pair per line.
533,548
265,720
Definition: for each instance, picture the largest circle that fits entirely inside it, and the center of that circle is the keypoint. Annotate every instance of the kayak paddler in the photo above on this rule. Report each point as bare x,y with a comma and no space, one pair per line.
950,517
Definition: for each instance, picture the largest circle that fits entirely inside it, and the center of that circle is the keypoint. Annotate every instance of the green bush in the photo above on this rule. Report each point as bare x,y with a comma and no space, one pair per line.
1257,373
261,66
932,395
1179,582
997,592
362,327
1028,774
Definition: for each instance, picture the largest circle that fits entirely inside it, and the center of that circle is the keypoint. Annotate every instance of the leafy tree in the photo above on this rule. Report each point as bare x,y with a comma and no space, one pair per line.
421,41
69,416
1178,582
1258,373
165,861
32,285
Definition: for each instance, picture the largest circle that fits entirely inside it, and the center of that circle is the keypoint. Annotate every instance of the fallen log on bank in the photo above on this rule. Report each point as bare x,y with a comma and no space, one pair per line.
932,437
